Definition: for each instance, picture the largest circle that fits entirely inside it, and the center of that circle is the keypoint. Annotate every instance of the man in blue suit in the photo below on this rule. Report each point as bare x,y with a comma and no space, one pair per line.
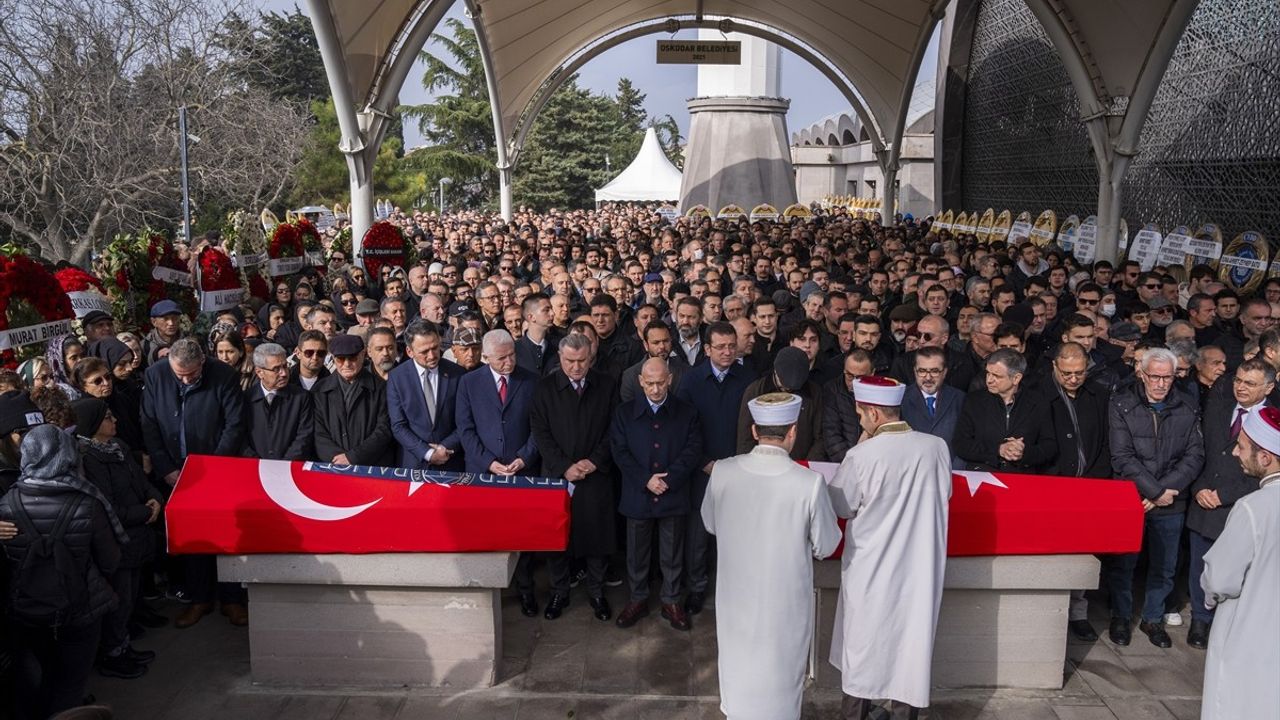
494,403
428,436
930,405
715,389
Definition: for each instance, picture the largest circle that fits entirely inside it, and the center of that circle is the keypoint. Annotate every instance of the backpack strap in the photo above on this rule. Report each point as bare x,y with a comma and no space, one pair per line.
24,522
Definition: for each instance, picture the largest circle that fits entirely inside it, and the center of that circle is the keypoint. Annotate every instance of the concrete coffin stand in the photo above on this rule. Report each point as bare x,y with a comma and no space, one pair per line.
1003,621
380,620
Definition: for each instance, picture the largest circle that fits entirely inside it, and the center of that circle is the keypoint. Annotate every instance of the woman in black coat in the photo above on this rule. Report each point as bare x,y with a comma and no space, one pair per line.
56,645
125,392
109,466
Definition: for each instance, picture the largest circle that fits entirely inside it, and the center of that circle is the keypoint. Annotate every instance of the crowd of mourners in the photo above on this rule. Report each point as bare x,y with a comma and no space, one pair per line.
618,350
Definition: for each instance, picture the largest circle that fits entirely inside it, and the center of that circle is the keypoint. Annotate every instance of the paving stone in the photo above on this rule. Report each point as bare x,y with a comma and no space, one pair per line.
310,707
1083,712
556,668
371,708
1182,708
1139,709
428,707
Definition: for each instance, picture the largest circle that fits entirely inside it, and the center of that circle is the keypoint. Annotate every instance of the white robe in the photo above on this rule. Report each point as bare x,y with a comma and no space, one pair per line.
895,486
1242,575
771,517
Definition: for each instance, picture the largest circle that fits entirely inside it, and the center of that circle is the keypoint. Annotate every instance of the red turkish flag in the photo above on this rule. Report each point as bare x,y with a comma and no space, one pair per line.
224,505
1012,514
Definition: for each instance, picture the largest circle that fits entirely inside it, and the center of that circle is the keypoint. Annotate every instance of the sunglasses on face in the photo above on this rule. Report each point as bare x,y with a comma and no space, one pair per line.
314,353
348,301
100,380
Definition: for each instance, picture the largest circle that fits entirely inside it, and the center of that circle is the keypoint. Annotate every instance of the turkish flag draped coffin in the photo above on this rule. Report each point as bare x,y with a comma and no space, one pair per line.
1011,514
224,505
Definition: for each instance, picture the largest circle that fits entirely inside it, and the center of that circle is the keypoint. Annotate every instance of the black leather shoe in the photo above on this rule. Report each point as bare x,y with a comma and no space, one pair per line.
1198,635
556,606
142,657
600,608
693,604
1082,630
1120,631
528,605
1155,632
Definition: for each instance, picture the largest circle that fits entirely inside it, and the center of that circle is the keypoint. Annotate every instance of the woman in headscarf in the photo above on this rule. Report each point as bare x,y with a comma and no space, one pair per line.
62,354
125,399
58,638
35,373
135,344
109,466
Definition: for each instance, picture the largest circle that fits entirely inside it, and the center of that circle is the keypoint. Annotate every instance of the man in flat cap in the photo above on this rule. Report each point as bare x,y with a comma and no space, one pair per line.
894,486
352,425
770,517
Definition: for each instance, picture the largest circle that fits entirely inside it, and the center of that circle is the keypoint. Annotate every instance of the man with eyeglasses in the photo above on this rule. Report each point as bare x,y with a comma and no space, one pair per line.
936,332
278,414
1157,444
1078,409
929,404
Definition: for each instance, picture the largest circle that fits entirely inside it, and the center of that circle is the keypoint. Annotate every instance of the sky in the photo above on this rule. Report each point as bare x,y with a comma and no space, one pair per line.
667,87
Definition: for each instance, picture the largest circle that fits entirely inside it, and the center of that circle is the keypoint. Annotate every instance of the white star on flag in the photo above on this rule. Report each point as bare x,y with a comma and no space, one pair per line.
977,479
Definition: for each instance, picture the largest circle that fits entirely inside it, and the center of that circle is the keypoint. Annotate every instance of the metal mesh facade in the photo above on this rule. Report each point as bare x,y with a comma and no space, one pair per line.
1210,149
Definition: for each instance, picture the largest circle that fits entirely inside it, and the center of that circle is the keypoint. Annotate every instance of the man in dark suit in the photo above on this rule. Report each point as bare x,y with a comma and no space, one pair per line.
930,405
657,343
715,389
494,404
421,400
352,423
657,446
192,404
536,349
309,360
278,414
841,427
1222,482
579,452
1078,408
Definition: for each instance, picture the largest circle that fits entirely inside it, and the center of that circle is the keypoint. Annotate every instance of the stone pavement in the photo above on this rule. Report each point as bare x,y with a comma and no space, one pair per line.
577,668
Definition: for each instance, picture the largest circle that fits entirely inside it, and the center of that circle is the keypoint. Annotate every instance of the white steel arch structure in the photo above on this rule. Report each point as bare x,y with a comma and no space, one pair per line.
1116,52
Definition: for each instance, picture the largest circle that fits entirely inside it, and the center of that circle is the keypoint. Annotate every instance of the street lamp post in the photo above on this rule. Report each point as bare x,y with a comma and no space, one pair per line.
182,154
443,181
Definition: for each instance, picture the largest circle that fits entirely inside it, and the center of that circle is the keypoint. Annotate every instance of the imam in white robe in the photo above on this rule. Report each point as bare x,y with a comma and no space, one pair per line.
895,487
771,518
1242,575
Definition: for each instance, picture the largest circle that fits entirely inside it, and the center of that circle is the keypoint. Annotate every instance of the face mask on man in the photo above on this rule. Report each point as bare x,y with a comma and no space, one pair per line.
1108,309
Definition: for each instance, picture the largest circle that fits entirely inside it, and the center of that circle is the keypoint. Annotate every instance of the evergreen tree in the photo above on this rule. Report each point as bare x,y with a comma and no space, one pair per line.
563,159
322,177
458,124
277,53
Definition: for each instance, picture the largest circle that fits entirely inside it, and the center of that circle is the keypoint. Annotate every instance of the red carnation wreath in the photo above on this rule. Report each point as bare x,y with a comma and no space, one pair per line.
383,244
286,242
217,274
160,254
73,279
311,243
29,295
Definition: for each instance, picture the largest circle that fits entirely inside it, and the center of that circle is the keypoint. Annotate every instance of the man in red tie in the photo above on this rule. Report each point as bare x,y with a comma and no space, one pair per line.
494,402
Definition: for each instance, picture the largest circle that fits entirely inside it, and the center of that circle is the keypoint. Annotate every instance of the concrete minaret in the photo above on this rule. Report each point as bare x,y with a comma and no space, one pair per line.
738,150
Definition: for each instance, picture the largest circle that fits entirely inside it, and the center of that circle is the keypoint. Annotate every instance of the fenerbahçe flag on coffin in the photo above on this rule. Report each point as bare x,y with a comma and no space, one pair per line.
1014,514
228,505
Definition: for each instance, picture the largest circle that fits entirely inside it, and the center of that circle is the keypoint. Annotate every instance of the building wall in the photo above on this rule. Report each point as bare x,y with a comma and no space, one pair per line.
1209,152
846,169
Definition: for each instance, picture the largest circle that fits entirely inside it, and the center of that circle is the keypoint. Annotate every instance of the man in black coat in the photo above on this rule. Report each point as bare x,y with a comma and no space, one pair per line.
840,425
193,405
536,348
278,414
1222,482
579,452
1002,428
351,420
657,445
1078,407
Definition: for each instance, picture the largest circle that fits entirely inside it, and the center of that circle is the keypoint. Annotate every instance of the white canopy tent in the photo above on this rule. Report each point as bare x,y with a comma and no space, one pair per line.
649,178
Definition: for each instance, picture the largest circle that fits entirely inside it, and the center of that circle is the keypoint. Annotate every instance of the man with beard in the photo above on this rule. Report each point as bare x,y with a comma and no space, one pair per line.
382,351
764,313
657,344
689,326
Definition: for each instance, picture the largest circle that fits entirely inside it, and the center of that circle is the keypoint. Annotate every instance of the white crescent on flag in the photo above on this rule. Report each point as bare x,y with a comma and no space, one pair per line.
277,481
